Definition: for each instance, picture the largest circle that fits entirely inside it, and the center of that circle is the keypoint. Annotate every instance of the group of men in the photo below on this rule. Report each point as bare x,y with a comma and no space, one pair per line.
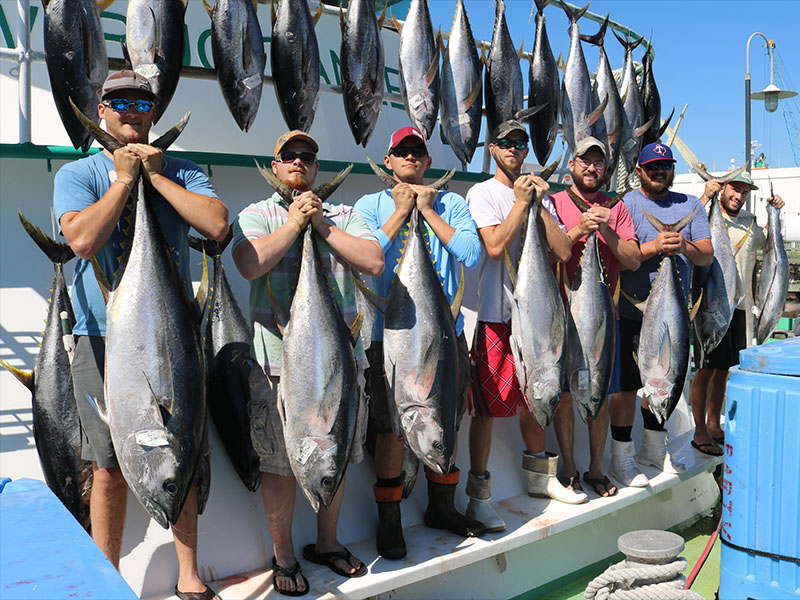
92,204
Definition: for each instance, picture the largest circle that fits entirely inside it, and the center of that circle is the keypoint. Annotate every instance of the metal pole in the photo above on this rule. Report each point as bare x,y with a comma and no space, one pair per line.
24,78
747,106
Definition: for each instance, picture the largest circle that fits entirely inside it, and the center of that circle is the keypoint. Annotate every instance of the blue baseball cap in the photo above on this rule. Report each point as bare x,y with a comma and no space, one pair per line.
655,151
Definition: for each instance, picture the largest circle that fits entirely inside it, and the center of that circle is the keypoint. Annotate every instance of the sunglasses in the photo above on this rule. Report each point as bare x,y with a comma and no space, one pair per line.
505,144
664,165
415,151
124,105
290,155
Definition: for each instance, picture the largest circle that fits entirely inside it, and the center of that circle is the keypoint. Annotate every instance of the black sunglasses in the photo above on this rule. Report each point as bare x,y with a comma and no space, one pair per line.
664,165
124,105
506,143
403,151
290,155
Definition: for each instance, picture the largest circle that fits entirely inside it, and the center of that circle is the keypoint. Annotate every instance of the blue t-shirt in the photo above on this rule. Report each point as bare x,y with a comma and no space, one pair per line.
668,210
80,184
464,247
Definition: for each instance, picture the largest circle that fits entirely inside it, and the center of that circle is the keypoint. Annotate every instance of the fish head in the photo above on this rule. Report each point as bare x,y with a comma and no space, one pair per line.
425,436
658,391
544,386
319,468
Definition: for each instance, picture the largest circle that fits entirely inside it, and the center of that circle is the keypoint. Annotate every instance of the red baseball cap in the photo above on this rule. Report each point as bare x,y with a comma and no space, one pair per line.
401,134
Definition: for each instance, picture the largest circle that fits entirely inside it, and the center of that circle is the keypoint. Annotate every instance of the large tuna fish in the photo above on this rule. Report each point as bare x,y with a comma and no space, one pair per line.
155,401
503,89
56,425
592,328
294,55
362,67
773,283
544,90
154,45
419,67
420,352
228,360
239,59
635,123
663,353
76,59
579,105
651,100
460,91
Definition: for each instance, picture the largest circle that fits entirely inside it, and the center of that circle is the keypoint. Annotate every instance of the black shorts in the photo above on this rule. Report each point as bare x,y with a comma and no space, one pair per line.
629,330
726,354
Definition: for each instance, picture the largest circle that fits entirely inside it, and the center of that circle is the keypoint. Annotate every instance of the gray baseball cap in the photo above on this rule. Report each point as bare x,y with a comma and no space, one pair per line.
506,127
587,144
126,80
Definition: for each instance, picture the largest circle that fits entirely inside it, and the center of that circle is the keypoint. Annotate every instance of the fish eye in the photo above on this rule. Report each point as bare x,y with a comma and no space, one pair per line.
170,488
327,483
437,445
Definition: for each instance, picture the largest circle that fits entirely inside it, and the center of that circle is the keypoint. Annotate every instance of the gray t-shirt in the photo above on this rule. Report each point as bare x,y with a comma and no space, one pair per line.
490,202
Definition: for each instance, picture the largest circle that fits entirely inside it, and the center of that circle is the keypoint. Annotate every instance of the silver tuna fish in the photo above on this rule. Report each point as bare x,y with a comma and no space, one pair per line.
420,352
154,37
419,67
634,124
460,91
773,283
544,90
651,100
294,55
238,49
503,89
77,64
362,67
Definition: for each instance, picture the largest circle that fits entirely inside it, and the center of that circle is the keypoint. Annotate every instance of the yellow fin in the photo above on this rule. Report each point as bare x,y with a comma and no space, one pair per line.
202,292
512,271
617,289
383,14
355,328
103,5
640,304
102,280
24,377
397,24
738,245
521,46
474,95
455,307
210,10
696,307
315,17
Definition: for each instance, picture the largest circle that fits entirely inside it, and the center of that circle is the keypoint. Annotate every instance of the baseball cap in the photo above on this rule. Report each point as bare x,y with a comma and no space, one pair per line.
126,80
744,177
506,127
587,144
295,134
655,151
404,132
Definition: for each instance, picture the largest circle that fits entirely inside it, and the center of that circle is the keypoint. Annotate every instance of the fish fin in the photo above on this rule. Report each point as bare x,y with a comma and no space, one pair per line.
166,140
440,42
455,307
526,113
694,310
387,179
201,299
383,14
684,221
377,301
325,190
640,131
26,378
615,200
106,140
597,38
738,245
284,191
655,222
617,289
582,205
640,304
433,70
342,23
315,17
635,359
597,112
473,96
561,63
210,9
103,5
548,171
56,252
397,24
102,280
561,272
100,410
665,124
664,354
355,328
280,316
272,15
443,180
521,49
165,414
512,271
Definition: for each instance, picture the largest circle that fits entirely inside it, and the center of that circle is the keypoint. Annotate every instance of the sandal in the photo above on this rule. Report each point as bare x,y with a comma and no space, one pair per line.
289,573
595,482
573,482
206,594
720,439
327,559
711,449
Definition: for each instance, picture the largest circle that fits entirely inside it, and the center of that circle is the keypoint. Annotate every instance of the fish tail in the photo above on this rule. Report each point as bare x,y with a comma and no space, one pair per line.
58,253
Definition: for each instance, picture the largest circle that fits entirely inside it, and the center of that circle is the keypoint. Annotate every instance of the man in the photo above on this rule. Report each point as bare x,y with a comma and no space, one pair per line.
452,239
692,246
91,201
500,209
619,250
708,386
266,250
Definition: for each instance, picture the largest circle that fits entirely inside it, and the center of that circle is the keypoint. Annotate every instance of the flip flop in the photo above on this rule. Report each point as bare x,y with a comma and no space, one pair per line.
720,439
206,594
699,448
327,559
289,573
596,481
574,482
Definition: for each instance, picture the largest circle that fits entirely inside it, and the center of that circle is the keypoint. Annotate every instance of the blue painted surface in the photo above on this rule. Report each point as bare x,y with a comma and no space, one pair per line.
45,554
761,495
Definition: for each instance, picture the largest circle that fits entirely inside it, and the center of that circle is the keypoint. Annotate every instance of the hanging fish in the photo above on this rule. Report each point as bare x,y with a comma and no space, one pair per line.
503,88
634,124
543,90
652,101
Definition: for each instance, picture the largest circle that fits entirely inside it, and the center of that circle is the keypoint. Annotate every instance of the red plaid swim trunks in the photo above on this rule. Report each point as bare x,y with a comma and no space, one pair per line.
495,390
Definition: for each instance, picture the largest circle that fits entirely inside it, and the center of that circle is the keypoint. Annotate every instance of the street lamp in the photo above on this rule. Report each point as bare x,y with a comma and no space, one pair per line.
770,95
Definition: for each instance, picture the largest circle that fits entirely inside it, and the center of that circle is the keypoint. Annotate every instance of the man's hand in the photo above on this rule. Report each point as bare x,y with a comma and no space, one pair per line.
426,196
595,218
301,210
404,198
541,187
311,205
712,187
670,242
150,156
126,164
775,201
524,189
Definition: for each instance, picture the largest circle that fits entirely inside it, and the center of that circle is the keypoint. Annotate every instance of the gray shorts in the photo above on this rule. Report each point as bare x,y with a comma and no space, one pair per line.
378,393
266,429
87,378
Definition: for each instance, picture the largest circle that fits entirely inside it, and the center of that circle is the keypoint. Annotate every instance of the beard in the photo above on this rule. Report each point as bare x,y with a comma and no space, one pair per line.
659,186
587,187
298,181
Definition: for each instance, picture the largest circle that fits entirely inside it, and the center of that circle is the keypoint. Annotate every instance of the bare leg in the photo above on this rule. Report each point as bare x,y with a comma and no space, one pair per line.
598,431
184,533
532,433
698,396
622,408
327,521
716,398
107,511
480,442
388,456
278,492
564,422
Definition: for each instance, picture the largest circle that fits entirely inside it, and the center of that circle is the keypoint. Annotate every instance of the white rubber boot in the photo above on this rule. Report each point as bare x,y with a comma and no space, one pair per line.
623,468
654,452
542,482
480,506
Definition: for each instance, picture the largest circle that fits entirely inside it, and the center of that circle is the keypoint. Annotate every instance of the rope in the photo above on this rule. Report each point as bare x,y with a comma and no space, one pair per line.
641,582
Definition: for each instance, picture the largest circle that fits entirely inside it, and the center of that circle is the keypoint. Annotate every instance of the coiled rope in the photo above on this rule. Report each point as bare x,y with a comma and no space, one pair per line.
637,581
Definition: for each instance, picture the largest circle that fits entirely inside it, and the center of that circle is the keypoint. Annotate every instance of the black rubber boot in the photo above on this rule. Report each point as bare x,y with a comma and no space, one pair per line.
441,512
389,539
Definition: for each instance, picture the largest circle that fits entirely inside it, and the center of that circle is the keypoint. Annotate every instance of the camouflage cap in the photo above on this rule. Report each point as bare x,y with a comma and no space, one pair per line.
295,134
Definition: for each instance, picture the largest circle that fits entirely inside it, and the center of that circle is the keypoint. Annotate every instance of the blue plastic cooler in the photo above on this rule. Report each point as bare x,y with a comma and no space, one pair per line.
761,495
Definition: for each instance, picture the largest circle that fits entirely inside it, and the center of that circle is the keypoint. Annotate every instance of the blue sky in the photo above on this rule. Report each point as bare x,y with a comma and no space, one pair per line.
700,60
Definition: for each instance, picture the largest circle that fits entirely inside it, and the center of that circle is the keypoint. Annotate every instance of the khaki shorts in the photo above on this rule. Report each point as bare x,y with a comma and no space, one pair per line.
266,428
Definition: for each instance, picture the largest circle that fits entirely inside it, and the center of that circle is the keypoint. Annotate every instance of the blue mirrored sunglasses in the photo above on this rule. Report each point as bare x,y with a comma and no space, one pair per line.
124,105
664,165
506,143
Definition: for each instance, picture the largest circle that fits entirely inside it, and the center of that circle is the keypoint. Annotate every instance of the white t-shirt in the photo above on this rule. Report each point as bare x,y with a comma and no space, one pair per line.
490,202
